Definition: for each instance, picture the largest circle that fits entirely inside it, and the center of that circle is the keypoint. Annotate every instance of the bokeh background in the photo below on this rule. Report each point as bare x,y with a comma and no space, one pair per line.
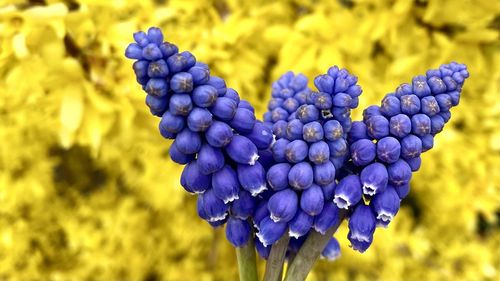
87,191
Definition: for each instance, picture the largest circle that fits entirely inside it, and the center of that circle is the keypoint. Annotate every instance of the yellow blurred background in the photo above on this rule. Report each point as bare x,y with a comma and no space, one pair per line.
87,191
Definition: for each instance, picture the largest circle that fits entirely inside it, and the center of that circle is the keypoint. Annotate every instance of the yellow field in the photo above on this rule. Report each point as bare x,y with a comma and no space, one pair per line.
87,191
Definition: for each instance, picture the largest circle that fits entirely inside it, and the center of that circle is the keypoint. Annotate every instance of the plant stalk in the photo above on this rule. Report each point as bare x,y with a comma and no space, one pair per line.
276,259
247,264
310,252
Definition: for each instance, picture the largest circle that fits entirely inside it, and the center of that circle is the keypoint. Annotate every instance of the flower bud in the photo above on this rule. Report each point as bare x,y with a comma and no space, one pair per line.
219,134
414,163
180,104
354,91
363,152
156,69
386,206
270,231
338,148
329,191
141,68
374,179
225,184
400,125
332,130
252,178
332,250
324,83
172,123
427,142
277,176
176,63
133,51
444,102
296,151
279,114
294,130
301,176
261,135
420,125
204,95
214,208
411,147
391,106
261,212
348,192
244,206
193,180
199,74
342,100
328,217
232,94
274,103
312,132
200,208
437,124
166,134
158,106
224,108
451,84
218,83
290,105
402,191
242,150
279,129
243,120
210,159
300,224
420,86
399,173
358,131
312,200
167,49
157,87
324,173
361,228
455,97
377,127
188,142
429,106
181,82
369,112
279,150
179,157
237,232
283,205
323,100
151,52
410,104
307,113
436,85
388,150
199,119
404,89
319,152
246,105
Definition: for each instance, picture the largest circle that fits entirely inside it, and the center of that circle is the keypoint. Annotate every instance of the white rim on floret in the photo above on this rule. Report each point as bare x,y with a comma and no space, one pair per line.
335,255
294,234
275,218
198,192
342,201
322,231
261,239
231,199
385,217
217,218
360,237
253,159
259,190
369,189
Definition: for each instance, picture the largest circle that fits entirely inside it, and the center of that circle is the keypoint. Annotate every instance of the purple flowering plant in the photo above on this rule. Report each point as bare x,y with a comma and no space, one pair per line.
283,185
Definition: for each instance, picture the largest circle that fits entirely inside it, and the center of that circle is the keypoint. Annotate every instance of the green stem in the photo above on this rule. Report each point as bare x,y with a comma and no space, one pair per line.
247,264
309,253
276,259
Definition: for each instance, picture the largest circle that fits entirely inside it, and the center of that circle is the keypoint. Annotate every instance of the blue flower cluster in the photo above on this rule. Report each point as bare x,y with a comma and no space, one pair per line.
215,133
311,129
294,172
385,148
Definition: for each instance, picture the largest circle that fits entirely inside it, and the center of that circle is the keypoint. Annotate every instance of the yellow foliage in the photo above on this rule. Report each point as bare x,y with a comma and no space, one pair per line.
87,191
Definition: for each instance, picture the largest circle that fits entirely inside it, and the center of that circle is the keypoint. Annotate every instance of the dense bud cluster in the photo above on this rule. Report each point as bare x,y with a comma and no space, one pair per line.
385,148
215,133
296,171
